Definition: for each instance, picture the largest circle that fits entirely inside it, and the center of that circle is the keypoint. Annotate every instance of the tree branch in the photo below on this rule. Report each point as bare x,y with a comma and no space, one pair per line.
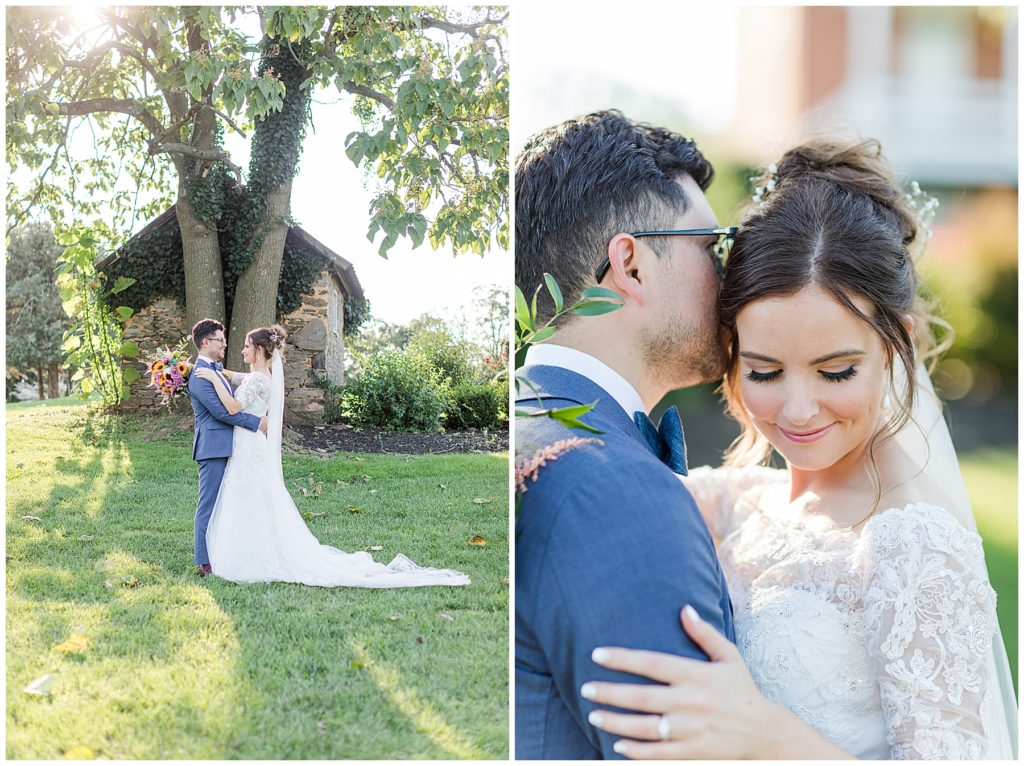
473,30
362,90
207,155
122,105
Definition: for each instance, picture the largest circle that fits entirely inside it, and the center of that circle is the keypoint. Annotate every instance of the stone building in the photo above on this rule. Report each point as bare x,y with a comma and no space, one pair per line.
316,344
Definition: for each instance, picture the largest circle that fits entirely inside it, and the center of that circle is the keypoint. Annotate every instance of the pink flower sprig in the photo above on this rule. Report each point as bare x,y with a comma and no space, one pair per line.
529,467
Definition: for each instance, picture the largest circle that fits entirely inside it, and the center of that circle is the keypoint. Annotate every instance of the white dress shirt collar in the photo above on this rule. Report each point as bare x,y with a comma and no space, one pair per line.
208,360
592,369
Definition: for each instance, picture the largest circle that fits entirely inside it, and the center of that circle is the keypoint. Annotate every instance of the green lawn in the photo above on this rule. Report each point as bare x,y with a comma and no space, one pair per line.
991,477
177,667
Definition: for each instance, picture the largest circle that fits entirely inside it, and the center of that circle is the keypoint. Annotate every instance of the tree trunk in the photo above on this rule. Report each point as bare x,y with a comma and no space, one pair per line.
204,278
40,380
255,303
54,382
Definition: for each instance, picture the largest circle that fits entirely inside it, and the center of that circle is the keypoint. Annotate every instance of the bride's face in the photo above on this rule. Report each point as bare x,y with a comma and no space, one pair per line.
248,351
813,376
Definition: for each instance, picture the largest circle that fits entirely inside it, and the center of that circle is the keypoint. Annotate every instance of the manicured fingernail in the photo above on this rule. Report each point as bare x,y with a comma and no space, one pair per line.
600,654
595,718
620,747
691,613
588,691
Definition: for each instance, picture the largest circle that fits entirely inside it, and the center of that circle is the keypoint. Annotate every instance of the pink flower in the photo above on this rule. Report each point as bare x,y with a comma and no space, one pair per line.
529,467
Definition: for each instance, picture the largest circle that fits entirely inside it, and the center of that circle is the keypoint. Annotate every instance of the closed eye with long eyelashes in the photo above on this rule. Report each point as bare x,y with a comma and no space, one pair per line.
833,377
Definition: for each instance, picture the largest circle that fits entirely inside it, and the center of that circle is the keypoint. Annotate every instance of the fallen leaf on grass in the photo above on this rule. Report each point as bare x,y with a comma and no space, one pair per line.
419,639
394,618
321,727
355,665
75,644
130,582
446,616
307,515
86,538
80,753
30,518
107,584
375,548
19,465
373,492
41,686
504,581
477,540
443,487
354,509
365,478
482,500
357,459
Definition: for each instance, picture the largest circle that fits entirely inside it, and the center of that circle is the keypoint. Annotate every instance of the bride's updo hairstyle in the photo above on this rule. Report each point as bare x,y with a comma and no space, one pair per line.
267,339
831,214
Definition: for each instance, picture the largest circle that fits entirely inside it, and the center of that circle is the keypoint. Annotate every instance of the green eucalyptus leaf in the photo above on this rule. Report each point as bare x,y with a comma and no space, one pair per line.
600,292
595,308
556,292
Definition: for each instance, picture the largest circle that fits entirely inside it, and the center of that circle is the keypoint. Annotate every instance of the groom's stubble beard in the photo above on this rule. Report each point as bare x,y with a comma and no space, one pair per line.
683,351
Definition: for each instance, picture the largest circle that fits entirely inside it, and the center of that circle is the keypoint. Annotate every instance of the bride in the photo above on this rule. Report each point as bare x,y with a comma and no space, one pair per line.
256,533
865,621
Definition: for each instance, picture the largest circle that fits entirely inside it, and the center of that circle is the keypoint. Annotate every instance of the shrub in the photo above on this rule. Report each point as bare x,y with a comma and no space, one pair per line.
449,355
396,391
474,405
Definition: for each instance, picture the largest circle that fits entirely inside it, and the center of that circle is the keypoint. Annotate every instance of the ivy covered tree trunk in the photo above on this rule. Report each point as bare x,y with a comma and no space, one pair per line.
204,280
276,146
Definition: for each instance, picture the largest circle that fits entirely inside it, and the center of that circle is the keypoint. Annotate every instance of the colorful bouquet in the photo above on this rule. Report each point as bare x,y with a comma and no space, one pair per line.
169,372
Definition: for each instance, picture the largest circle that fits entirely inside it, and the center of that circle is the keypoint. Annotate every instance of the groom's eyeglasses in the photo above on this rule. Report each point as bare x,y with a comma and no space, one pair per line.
720,247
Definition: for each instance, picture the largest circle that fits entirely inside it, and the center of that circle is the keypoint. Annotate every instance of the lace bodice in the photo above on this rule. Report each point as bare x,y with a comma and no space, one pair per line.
254,393
880,640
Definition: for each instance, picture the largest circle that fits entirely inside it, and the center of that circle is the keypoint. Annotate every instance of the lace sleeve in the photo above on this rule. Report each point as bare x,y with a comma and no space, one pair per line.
930,617
257,387
718,491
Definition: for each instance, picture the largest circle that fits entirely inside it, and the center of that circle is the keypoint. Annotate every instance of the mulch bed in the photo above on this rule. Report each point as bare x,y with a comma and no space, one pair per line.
344,438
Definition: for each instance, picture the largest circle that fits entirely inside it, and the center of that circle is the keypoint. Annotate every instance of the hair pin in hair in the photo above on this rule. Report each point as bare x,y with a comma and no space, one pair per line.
761,192
923,206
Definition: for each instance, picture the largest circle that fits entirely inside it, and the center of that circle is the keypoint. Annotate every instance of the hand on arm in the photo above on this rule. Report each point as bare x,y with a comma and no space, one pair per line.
712,709
231,404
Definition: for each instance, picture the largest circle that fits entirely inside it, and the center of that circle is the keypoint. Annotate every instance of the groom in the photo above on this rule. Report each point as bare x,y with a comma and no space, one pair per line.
609,544
211,445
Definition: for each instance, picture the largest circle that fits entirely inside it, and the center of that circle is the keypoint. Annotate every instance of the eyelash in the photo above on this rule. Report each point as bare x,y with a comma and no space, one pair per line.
832,377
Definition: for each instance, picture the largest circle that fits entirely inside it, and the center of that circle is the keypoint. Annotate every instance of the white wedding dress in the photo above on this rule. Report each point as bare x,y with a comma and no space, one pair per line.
256,533
880,639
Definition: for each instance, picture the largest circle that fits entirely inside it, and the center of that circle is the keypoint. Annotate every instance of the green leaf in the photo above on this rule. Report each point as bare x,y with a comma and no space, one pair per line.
595,308
122,284
523,316
541,335
124,313
556,292
129,349
575,411
600,292
573,423
131,375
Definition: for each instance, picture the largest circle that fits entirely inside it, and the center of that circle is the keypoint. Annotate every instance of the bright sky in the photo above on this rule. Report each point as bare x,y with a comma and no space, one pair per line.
657,63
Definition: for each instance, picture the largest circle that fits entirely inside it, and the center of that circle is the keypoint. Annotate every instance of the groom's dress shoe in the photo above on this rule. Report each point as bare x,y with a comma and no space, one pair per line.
204,569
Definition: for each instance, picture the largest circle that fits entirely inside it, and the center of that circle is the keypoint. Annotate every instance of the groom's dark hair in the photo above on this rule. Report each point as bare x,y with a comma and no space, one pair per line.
203,329
580,183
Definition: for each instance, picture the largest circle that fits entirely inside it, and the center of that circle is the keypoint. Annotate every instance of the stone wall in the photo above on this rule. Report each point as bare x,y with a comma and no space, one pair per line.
312,351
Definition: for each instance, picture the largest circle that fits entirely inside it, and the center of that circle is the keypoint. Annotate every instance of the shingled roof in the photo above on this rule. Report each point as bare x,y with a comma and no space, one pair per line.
343,271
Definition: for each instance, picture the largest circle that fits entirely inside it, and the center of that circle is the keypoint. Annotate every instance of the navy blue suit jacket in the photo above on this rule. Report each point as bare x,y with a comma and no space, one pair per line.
214,424
609,547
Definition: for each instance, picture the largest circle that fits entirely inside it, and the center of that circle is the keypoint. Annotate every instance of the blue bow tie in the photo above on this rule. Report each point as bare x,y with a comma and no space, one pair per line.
666,439
218,366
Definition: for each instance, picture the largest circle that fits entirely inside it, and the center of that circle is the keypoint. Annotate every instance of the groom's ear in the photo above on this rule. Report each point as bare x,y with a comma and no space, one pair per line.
624,273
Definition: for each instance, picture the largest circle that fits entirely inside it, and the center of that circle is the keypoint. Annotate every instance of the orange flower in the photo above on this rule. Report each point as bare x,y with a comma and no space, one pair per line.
182,368
158,365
